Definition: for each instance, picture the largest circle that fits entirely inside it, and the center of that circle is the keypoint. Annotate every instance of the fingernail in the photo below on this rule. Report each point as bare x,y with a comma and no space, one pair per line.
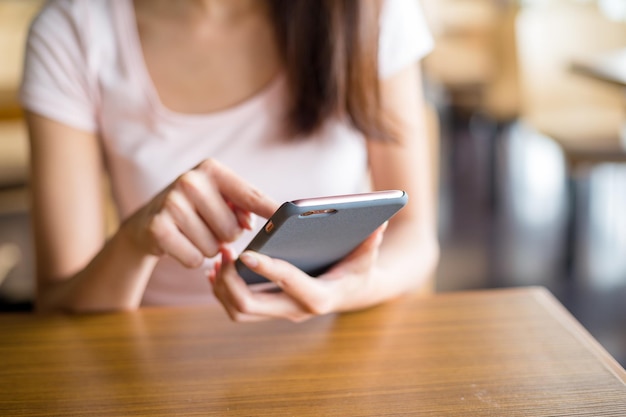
246,220
250,221
211,275
250,259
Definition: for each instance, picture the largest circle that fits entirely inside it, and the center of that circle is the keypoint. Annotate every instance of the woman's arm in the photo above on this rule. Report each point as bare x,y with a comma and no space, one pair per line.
409,252
381,268
76,269
68,220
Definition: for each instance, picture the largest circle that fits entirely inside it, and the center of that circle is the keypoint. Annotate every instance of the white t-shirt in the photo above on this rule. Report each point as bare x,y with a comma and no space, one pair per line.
84,67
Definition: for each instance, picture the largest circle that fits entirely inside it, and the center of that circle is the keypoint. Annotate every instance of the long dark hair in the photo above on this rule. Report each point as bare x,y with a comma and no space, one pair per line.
330,50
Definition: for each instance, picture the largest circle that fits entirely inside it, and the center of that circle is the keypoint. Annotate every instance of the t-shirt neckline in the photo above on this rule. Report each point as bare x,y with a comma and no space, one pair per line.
132,52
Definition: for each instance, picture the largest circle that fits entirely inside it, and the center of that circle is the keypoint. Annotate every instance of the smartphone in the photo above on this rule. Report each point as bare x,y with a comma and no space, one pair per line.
315,233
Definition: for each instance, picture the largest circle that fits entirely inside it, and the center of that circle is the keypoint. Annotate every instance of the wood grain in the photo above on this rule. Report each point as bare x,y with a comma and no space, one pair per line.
492,353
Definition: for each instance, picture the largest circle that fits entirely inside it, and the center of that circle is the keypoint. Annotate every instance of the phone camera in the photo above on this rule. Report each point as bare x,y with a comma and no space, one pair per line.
318,212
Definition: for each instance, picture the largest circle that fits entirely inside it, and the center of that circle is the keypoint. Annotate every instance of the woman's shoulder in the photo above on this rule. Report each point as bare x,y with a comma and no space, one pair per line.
404,35
73,17
404,18
75,28
67,44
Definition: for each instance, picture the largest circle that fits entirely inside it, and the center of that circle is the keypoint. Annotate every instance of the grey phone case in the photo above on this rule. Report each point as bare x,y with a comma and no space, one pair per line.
314,234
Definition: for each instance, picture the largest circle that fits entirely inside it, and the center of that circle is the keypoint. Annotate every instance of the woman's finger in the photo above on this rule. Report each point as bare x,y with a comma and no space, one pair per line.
238,191
210,205
172,242
224,201
245,301
312,295
190,224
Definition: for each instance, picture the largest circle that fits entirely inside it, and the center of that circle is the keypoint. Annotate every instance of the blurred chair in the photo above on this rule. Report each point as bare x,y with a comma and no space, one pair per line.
532,210
15,17
582,114
472,71
601,228
600,263
13,153
10,256
474,56
17,272
16,254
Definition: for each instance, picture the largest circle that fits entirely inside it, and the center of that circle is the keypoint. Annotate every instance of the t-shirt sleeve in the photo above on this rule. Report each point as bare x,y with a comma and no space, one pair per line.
56,82
404,36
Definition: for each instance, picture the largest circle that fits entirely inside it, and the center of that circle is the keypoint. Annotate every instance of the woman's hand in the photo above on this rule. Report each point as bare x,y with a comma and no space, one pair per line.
344,287
194,216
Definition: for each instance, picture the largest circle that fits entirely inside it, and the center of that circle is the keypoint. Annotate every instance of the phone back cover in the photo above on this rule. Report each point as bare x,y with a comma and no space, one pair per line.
314,243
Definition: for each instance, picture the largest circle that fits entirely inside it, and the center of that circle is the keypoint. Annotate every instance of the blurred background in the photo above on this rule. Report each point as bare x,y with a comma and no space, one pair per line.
528,124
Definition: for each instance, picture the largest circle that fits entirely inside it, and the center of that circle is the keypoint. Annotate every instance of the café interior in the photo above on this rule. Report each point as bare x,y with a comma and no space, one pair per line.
527,116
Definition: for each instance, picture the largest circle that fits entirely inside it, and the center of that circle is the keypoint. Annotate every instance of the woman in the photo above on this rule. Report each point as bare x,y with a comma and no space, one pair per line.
206,114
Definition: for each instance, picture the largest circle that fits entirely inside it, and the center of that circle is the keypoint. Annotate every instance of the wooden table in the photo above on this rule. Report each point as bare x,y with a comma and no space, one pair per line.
492,353
609,67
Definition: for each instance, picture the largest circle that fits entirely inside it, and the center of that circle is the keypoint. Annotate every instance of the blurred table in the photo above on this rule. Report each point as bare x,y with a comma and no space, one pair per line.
609,67
514,352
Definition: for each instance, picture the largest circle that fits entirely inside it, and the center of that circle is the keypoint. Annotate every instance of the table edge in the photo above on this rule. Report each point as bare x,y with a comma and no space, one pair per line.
558,311
578,331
